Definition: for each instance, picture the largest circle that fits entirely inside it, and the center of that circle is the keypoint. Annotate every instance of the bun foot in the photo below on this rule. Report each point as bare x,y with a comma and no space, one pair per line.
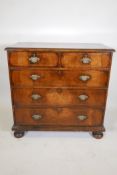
97,134
18,134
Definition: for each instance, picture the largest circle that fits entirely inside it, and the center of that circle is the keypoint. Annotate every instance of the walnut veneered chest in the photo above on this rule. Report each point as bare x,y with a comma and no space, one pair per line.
59,86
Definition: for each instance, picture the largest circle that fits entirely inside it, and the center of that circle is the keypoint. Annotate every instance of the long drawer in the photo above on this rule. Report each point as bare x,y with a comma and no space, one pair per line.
59,78
58,96
59,116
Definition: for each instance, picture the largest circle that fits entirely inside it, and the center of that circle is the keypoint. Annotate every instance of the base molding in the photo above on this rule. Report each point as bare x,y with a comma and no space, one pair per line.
97,131
57,128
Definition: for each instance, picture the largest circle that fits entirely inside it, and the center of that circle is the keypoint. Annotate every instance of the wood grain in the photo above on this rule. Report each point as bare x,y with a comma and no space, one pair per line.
58,97
22,59
52,78
59,86
97,60
59,116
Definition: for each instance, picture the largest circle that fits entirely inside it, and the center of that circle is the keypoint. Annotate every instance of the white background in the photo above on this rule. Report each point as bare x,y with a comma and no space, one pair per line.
93,21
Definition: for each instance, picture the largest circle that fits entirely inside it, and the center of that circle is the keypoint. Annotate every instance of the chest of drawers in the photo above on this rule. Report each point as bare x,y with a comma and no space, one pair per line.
59,87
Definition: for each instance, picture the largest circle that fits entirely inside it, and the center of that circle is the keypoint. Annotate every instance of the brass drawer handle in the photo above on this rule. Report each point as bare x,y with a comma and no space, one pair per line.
86,59
82,117
84,77
34,59
83,97
36,117
36,96
35,77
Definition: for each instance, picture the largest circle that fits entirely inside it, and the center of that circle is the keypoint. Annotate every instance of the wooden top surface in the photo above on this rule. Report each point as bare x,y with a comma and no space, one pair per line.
59,46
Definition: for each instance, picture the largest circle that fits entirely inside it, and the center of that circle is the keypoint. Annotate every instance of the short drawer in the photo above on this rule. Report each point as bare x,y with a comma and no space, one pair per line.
59,116
58,96
40,59
85,60
52,78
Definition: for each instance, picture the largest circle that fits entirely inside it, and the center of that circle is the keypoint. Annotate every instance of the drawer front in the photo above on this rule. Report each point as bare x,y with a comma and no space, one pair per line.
58,96
85,60
40,59
59,116
52,78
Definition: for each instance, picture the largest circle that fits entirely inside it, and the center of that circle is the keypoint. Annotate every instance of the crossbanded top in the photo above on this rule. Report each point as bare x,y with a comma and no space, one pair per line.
72,46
